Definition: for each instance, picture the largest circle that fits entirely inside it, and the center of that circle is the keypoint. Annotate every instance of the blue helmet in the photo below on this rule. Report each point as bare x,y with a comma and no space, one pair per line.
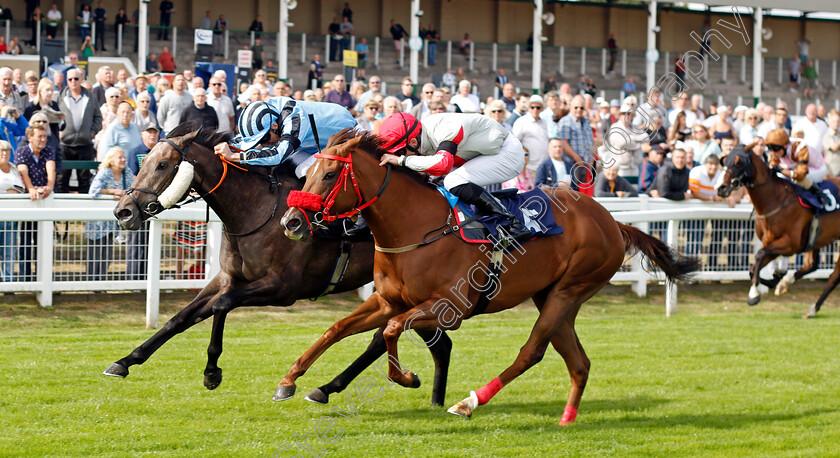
254,123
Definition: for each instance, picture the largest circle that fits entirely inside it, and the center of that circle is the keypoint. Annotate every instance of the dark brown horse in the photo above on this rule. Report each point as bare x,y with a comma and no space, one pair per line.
260,268
782,225
433,287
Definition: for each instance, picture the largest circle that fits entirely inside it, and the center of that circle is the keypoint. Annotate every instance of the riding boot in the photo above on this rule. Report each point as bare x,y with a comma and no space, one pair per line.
488,204
824,201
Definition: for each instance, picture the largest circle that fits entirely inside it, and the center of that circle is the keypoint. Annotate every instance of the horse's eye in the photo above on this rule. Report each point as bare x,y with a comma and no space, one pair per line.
329,176
162,165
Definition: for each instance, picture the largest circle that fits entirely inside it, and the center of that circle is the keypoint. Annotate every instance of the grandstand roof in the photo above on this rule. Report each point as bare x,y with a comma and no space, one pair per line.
828,6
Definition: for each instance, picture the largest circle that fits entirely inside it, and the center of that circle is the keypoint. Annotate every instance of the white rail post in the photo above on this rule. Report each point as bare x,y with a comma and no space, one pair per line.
227,43
562,69
119,38
66,36
214,245
45,262
705,67
516,59
38,35
666,62
740,100
8,30
781,71
671,287
603,62
327,55
495,51
583,61
376,52
303,48
833,73
624,63
153,275
449,54
425,53
798,106
93,34
743,69
174,42
402,52
640,285
725,68
472,56
252,39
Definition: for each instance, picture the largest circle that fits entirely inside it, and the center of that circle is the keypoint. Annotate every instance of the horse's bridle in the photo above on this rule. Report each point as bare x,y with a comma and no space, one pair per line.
314,202
154,207
747,181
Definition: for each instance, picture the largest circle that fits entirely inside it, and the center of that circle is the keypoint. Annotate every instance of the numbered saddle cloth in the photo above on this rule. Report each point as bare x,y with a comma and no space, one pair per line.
533,208
808,200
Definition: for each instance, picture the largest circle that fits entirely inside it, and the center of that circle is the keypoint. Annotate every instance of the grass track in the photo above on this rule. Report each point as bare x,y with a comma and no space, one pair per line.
718,379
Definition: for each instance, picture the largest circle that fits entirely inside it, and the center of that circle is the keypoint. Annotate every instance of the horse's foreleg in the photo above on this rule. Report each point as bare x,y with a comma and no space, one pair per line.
265,291
195,312
373,313
440,351
809,265
833,280
762,258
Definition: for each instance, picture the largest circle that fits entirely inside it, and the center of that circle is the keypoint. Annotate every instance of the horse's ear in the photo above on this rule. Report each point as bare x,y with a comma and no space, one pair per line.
721,161
188,138
736,160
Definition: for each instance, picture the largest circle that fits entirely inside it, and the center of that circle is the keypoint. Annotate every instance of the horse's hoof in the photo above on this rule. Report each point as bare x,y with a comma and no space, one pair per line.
318,397
116,370
415,381
461,409
212,379
284,392
753,301
812,312
466,407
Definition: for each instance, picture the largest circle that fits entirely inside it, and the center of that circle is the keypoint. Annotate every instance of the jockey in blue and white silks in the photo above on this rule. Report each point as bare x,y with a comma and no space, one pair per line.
275,130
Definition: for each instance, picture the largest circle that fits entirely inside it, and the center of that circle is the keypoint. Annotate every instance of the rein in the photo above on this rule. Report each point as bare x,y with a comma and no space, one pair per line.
749,184
155,207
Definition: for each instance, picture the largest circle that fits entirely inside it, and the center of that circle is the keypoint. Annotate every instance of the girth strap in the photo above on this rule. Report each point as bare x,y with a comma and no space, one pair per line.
813,234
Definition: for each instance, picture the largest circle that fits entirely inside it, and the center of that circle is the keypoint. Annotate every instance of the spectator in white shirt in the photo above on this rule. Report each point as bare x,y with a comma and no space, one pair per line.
221,103
467,102
532,131
814,129
750,129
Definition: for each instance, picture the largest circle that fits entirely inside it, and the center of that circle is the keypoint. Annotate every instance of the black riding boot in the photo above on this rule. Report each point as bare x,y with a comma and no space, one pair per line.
488,204
824,201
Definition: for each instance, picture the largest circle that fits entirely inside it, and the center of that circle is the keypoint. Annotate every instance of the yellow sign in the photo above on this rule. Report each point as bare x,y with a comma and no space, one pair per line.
351,58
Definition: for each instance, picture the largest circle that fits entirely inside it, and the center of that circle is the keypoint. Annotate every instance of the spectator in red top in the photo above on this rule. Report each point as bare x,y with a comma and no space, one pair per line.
679,70
166,61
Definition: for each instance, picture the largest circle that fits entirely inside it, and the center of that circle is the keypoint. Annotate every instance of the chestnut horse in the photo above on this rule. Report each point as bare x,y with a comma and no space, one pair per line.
259,266
421,286
782,225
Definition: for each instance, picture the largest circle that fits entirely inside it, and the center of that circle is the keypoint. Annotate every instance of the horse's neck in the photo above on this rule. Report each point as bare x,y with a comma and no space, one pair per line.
237,199
769,193
407,209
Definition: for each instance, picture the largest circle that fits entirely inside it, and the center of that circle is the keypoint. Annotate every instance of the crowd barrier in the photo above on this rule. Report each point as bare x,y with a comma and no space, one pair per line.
722,237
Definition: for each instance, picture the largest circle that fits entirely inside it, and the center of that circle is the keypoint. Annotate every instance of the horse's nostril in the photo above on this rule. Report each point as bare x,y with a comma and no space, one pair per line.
124,214
293,224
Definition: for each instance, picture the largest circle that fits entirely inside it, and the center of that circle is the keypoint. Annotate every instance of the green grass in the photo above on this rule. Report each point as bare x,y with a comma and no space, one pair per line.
718,379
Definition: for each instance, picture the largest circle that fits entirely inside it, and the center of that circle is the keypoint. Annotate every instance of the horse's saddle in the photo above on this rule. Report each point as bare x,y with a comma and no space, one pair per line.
533,208
808,200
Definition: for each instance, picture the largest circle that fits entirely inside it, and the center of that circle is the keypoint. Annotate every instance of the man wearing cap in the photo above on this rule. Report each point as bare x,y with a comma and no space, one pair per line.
622,146
150,136
791,158
532,132
279,129
482,149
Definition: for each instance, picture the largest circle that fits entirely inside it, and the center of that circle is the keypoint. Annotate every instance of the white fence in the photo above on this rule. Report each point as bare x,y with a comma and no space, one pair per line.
722,237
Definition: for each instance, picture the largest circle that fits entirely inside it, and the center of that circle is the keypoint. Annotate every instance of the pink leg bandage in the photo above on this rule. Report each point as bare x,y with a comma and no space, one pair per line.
569,415
486,393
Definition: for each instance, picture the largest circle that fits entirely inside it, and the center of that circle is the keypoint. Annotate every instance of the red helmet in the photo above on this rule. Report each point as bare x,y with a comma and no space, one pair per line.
398,129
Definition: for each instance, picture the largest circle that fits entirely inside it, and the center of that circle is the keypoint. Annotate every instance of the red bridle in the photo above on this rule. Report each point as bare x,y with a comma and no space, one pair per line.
313,202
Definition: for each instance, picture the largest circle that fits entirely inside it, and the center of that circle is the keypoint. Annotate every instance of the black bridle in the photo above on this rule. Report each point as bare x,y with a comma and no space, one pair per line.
154,207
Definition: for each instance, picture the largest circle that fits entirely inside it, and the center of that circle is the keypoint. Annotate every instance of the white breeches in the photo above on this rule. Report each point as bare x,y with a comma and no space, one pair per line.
487,170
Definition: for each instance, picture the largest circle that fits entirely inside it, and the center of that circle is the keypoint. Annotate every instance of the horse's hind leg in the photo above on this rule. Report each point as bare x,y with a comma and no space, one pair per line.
195,312
440,351
265,291
833,280
809,265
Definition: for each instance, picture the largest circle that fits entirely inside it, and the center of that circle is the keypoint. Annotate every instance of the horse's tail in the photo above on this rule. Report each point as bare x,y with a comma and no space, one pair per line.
675,266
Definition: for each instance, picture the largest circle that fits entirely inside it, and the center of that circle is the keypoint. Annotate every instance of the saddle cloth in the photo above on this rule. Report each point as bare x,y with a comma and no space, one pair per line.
809,200
533,208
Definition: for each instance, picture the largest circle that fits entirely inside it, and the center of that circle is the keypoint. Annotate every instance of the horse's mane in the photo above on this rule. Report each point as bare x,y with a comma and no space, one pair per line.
206,137
371,144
